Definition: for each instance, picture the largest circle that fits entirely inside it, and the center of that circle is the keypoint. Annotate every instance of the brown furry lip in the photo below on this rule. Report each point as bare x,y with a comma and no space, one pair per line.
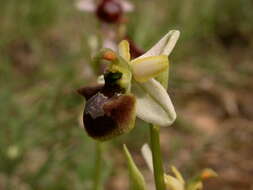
117,118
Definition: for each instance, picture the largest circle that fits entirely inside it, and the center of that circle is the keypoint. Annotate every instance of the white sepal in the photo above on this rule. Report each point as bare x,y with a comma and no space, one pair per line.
173,36
147,155
153,103
164,46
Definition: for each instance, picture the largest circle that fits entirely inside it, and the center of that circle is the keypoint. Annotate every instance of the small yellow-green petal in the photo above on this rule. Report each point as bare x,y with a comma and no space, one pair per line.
173,183
124,50
177,174
149,67
196,182
198,185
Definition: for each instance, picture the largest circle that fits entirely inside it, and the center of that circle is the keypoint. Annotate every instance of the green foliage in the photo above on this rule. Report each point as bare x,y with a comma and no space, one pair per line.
136,179
43,51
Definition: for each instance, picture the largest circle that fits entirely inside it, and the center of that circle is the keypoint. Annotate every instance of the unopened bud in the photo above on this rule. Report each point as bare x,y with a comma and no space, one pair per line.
109,11
109,55
208,173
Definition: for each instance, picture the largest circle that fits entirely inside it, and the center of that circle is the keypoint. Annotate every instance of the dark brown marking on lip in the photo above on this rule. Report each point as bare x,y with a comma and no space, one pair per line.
99,128
120,108
118,119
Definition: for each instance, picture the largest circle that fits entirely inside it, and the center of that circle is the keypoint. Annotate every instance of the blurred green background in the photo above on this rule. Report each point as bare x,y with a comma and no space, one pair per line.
43,59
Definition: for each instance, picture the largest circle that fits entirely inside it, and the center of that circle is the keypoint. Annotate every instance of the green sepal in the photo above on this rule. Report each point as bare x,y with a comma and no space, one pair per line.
194,185
163,78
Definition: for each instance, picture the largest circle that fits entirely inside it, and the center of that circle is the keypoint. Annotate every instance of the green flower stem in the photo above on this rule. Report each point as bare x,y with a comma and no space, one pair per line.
97,183
157,157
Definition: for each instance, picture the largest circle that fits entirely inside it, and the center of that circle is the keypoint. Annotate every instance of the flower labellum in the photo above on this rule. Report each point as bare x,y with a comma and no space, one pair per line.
105,118
109,110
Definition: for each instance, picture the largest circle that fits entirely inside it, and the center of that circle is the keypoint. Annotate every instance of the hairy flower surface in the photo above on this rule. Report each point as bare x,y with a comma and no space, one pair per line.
128,88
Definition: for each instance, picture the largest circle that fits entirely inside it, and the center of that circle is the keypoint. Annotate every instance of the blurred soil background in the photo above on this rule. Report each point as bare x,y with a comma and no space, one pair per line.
44,57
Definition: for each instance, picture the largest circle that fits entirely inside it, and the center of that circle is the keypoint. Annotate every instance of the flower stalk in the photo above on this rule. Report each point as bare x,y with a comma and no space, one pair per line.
97,183
157,157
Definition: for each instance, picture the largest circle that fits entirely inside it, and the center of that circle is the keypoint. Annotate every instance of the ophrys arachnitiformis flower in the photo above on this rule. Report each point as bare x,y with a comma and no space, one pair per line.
129,89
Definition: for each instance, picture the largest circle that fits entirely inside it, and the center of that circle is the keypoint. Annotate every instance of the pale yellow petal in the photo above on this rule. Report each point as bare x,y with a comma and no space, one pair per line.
124,50
177,174
149,67
173,183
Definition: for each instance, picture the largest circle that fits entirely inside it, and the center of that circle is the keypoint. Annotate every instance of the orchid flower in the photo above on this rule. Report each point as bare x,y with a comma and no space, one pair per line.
177,182
108,11
91,5
129,88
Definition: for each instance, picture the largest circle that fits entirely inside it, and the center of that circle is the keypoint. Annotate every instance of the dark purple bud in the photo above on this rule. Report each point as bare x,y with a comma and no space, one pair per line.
109,11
